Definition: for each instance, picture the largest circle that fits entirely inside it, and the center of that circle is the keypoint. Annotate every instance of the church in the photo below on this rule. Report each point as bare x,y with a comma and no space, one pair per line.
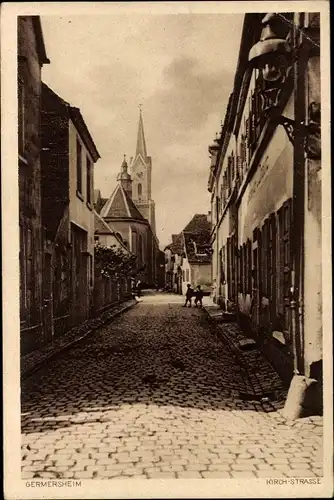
130,211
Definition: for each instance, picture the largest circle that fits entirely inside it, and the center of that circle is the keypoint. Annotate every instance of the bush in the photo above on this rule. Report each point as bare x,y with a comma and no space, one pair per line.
114,262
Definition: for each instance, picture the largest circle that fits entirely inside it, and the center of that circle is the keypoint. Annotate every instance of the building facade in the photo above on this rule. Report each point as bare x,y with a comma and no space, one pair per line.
31,58
68,158
266,198
188,257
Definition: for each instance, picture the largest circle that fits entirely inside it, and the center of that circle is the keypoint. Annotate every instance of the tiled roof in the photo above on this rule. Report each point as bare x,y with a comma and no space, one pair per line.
198,247
198,224
100,226
197,239
99,202
120,206
177,244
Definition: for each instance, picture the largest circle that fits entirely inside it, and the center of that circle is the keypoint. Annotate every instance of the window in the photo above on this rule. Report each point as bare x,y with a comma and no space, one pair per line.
89,180
257,116
140,190
233,267
264,258
244,253
249,267
217,207
79,167
183,275
241,271
285,264
272,258
187,275
228,247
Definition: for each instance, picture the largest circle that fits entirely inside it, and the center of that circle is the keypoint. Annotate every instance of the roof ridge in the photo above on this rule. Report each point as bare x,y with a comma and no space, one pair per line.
125,200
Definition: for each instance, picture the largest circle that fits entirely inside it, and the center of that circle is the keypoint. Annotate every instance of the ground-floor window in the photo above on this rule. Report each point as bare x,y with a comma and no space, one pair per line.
263,267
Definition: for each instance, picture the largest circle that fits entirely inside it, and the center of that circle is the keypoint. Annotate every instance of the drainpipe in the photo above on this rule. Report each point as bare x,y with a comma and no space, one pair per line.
301,385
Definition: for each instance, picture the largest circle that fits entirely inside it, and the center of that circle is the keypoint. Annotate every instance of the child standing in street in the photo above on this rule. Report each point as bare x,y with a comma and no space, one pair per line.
189,294
198,296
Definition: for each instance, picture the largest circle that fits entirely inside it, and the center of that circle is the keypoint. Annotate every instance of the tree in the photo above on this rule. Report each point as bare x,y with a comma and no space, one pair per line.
114,262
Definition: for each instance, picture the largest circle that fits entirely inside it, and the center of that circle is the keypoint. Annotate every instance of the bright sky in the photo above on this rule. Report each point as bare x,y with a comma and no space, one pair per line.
179,67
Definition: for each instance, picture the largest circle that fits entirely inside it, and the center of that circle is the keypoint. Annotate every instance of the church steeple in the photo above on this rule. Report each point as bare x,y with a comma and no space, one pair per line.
141,145
141,174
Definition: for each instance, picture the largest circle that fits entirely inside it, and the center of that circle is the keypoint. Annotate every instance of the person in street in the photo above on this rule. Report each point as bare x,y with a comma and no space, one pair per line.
189,295
198,296
138,288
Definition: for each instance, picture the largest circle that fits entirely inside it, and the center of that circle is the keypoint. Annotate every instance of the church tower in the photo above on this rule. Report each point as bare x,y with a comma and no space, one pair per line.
125,178
141,174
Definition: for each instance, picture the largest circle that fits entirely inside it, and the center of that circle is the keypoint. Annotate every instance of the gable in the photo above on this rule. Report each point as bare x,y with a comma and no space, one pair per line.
138,164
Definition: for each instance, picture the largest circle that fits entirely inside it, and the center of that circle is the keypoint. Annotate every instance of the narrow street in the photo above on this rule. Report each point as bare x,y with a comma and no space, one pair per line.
154,394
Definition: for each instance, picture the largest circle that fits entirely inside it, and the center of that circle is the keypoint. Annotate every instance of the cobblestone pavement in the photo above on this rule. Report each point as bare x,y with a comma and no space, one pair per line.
155,394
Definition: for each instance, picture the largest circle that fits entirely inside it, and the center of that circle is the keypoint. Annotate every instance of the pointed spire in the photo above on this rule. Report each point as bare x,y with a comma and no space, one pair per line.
141,145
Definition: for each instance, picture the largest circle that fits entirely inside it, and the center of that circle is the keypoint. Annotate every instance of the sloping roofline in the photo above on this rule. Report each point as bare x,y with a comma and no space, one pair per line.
36,21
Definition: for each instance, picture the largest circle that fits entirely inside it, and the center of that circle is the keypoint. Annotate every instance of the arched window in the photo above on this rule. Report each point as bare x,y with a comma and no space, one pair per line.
140,190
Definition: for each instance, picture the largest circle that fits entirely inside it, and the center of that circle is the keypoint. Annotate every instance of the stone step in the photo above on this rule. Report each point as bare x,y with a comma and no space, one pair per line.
218,315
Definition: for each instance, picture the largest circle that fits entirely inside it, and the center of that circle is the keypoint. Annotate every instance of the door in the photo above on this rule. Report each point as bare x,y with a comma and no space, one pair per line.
47,298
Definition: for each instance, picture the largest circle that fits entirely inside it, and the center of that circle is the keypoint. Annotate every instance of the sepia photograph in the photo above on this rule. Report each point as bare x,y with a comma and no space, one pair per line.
167,310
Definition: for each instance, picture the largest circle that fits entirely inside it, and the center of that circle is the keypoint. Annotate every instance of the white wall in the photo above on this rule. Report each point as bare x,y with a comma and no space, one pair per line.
271,185
185,267
79,212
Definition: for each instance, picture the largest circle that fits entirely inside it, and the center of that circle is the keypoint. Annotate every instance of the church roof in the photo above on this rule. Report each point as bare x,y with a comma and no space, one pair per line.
120,206
141,144
100,226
